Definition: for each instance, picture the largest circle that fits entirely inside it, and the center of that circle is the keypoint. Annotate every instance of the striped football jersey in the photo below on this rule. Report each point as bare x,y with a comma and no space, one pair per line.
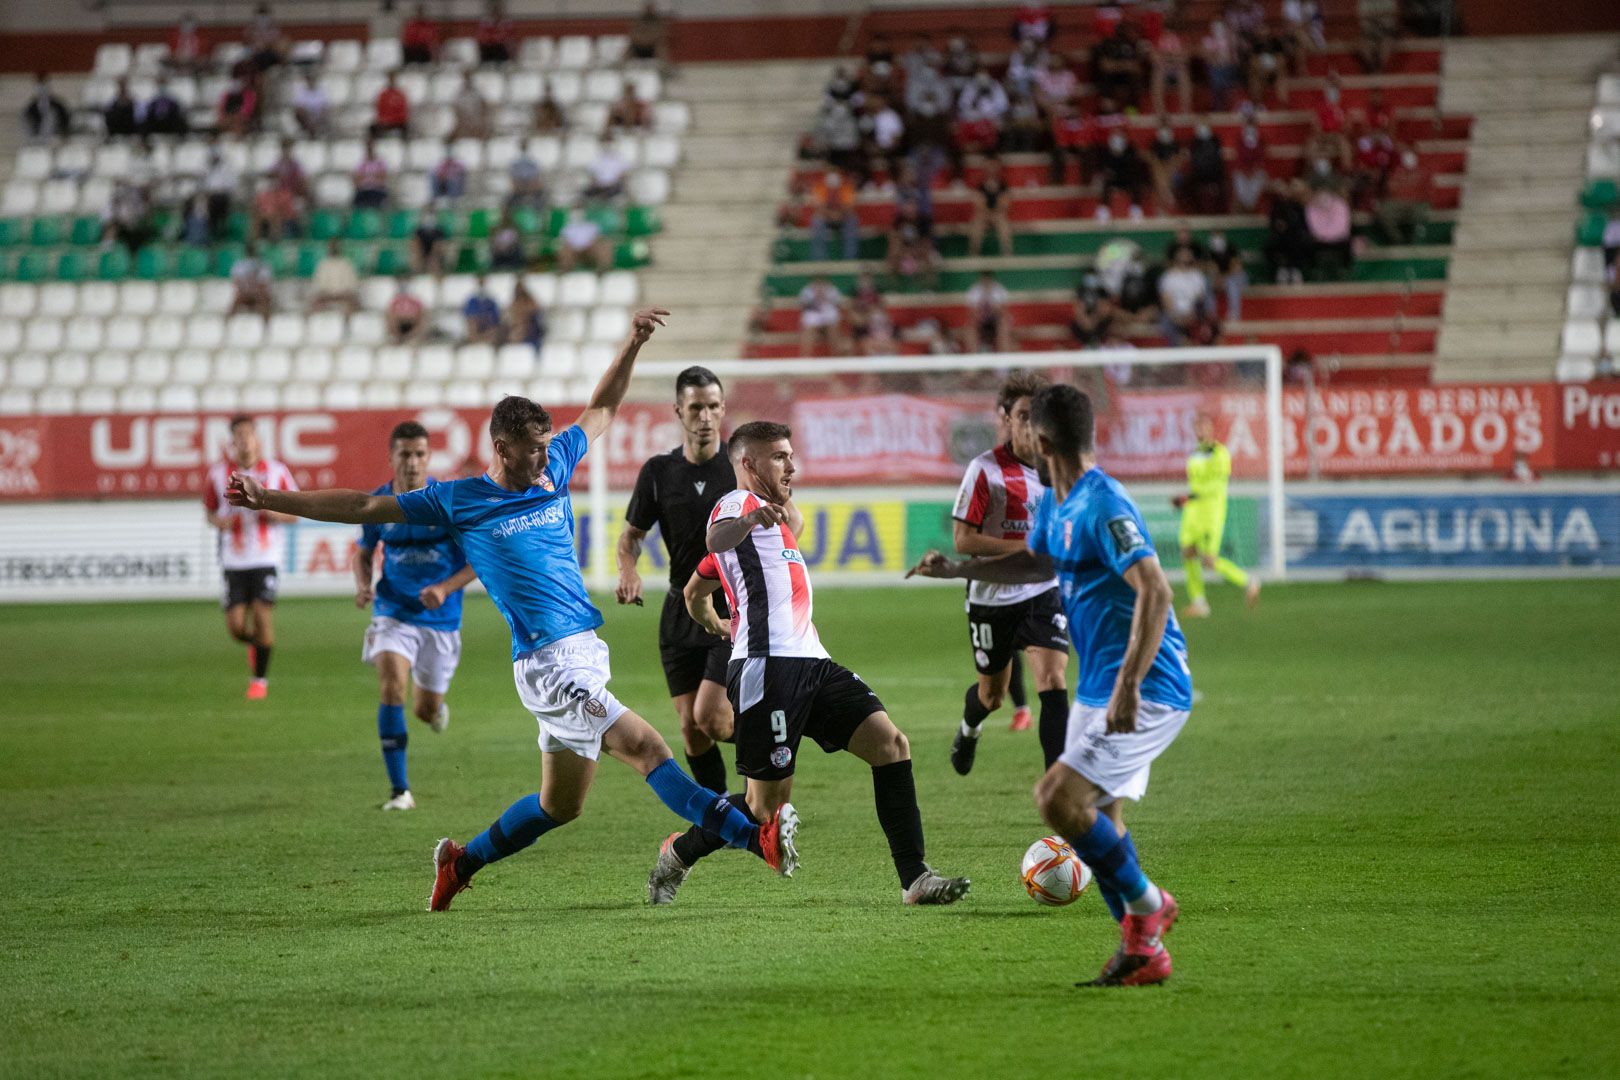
766,584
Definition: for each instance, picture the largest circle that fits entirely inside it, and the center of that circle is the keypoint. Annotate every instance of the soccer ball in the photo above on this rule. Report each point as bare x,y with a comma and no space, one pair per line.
1053,874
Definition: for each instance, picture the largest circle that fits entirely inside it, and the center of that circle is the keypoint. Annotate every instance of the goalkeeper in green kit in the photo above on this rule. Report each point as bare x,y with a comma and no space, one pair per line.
1203,518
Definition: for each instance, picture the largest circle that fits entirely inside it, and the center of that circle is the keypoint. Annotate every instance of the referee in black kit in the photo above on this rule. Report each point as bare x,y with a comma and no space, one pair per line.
676,491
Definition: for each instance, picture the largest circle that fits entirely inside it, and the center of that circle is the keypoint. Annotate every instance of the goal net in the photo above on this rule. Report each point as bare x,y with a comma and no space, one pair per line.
882,442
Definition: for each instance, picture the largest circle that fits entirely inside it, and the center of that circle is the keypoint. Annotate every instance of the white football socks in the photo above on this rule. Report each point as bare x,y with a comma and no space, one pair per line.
1146,904
971,732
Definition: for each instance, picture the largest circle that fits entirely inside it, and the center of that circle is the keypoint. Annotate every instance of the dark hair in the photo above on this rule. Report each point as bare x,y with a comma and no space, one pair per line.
1020,384
512,416
759,431
697,378
407,429
239,419
1062,413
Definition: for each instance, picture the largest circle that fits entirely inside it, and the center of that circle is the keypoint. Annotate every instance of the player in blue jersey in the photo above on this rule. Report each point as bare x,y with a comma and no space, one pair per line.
415,629
515,525
1135,690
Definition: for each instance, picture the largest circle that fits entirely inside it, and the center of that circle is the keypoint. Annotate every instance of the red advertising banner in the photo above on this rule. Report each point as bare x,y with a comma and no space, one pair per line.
870,439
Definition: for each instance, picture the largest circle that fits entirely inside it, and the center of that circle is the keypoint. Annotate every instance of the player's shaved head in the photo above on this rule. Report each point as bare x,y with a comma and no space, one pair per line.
756,435
513,416
1063,419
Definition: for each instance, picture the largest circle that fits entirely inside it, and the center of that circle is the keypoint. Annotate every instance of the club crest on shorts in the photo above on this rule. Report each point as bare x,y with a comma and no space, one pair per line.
781,756
595,708
981,658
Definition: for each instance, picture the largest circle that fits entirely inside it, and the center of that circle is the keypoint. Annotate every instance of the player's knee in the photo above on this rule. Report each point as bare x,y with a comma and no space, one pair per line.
890,746
563,810
427,710
991,697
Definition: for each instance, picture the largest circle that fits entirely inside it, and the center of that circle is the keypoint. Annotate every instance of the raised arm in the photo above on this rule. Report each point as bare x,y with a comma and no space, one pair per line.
1021,567
615,381
332,504
1149,617
628,553
725,535
699,595
971,541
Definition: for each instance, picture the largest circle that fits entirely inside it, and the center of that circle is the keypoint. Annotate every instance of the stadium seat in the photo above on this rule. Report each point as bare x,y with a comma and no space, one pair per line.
524,87
1576,369
214,296
424,395
111,159
126,332
648,83
325,330
558,360
84,334
343,57
341,395
70,369
608,324
33,163
1603,157
155,369
55,400
611,49
286,330
1600,193
11,336
393,363
244,332
262,397
618,287
1582,338
465,394
604,86
1611,338
491,84
18,301
113,60
137,399
177,399
96,399
649,187
1585,301
43,335
459,52
454,291
382,395
110,369
312,365
20,199
383,54
573,51
367,328
537,52
353,364
475,362
661,151
516,361
58,300
16,402
577,289
567,325
99,299
594,359
219,399
272,365
31,370
150,57
204,332
672,117
566,87
191,367
167,332
434,363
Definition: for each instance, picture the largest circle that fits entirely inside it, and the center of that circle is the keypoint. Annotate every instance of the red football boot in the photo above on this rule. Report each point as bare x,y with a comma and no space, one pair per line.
1125,969
446,882
776,840
1141,934
1020,719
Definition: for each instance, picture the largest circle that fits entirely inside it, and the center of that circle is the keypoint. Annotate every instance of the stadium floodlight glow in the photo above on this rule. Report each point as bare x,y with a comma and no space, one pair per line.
921,417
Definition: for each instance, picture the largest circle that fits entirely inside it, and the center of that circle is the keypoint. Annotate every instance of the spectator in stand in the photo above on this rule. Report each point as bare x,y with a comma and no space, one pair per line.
481,316
125,220
1072,135
1185,302
878,80
629,113
250,280
649,35
832,209
1247,19
882,137
1028,60
1376,154
992,201
1305,30
1206,172
1055,85
219,184
371,180
406,317
1025,128
879,49
1268,67
841,87
448,180
989,327
1120,170
1611,240
1094,313
912,258
582,239
981,109
1327,213
430,243
821,310
44,117
1226,268
911,203
528,184
549,118
1379,33
961,62
1033,22
288,175
1249,176
312,107
419,38
1118,63
275,212
506,245
118,115
1329,122
929,105
266,45
195,228
1183,240
188,54
495,34
1167,161
393,111
162,114
607,172
1220,49
470,110
838,135
238,110
1403,212
1169,59
871,330
525,321
1288,239
335,285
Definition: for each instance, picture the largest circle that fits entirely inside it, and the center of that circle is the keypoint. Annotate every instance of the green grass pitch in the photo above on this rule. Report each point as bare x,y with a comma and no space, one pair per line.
1392,825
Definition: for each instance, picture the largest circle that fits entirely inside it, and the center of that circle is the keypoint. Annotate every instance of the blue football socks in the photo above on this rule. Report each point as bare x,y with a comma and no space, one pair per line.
1112,858
522,824
701,806
391,731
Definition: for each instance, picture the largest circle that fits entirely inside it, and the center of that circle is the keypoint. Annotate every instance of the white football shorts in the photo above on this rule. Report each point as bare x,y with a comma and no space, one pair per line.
564,685
1119,763
433,654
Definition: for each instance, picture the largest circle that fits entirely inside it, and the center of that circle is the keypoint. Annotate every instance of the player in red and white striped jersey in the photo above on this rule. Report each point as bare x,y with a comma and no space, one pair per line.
994,509
251,544
781,682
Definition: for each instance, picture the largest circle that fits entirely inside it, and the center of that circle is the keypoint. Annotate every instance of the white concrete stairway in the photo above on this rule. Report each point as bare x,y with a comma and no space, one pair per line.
736,156
1510,260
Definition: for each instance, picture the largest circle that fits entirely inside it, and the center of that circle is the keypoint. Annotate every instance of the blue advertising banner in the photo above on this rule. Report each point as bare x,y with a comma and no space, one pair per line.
1483,531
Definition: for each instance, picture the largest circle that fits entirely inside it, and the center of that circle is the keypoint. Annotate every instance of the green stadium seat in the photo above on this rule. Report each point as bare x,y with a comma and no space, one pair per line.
1600,194
33,266
527,220
224,257
114,264
325,224
477,225
12,231
310,254
630,254
642,221
237,226
607,219
472,259
72,266
1589,231
46,232
391,261
364,225
401,223
556,220
152,262
282,259
86,231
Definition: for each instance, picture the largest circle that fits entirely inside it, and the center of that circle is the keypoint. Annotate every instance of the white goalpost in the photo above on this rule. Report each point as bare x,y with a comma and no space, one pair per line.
883,440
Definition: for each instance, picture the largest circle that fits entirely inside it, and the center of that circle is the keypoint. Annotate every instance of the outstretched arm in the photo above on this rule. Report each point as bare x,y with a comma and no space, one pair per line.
725,535
1023,567
970,541
333,504
615,380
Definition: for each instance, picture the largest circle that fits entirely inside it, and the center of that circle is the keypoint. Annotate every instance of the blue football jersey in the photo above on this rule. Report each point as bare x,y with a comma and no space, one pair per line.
1093,537
520,543
414,557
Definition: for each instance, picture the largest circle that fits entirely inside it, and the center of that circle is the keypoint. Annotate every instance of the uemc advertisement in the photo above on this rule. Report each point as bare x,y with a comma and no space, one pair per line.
1484,531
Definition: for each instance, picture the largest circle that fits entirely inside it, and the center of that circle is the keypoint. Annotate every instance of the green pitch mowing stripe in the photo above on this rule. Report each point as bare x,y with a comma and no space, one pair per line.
1391,824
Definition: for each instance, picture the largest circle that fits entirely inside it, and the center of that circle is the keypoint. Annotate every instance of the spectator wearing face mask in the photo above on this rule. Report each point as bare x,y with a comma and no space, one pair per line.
1288,236
981,108
1401,214
1226,267
1120,170
1028,60
1185,301
1329,122
1167,160
1117,64
1206,172
1376,154
1249,176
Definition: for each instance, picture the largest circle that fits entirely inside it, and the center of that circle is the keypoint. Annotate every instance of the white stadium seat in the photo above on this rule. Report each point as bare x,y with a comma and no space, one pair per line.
367,328
619,287
394,363
14,402
649,85
566,87
1576,369
516,361
524,87
192,367
567,324
111,369
43,335
649,187
11,336
217,398
608,324
84,334
1611,338
454,290
33,163
177,399
286,330
573,51
1586,266
475,362
244,331
215,296
98,298
126,332
375,293
260,397
312,365
603,86
177,297
558,360
18,300
165,332
300,396
234,366
58,300
205,332
343,56
459,52
341,396
137,399
325,330
1582,338
272,365
465,394
537,52
661,151
30,371
577,289
70,369
594,359
354,364
384,54
113,59
612,49
382,395
1585,302
424,395
154,369
138,298
55,400
20,199
435,363
96,399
